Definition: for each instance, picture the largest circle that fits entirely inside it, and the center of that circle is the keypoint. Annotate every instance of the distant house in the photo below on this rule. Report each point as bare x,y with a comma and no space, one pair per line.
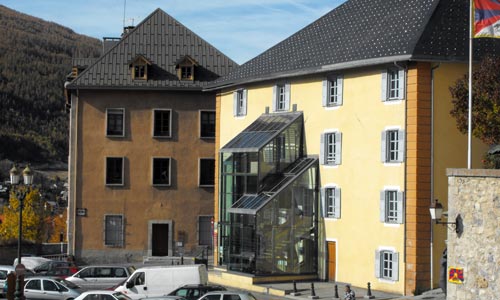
334,142
142,133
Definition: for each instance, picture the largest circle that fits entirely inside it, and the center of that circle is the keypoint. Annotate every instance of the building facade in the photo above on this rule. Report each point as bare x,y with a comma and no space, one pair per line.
374,97
142,138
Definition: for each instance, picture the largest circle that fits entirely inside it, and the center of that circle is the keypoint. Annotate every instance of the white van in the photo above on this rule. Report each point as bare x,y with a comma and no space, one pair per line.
161,280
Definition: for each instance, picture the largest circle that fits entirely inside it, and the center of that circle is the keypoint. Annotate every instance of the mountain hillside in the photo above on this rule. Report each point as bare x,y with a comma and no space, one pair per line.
35,57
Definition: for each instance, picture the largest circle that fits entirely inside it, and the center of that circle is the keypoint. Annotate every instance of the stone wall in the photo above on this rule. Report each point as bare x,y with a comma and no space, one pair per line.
474,195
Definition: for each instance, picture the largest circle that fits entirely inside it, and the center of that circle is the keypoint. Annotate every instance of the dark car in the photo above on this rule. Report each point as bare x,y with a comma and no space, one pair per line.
55,268
195,291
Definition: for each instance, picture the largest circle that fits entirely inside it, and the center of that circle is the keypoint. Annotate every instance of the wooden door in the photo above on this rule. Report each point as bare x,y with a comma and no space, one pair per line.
160,240
332,260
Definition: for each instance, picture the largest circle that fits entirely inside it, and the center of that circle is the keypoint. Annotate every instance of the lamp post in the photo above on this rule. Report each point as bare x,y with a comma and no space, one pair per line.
20,195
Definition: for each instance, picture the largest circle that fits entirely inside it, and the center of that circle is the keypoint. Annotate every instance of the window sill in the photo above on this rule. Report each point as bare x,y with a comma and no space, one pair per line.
162,136
114,184
385,280
393,101
207,137
392,225
393,164
115,136
161,185
330,166
331,219
333,107
206,185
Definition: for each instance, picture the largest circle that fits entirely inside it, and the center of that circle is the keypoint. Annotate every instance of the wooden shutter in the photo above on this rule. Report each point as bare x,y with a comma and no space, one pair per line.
275,98
383,152
377,264
402,83
235,103
338,148
322,152
395,266
382,207
401,205
384,86
323,202
337,203
340,89
325,93
245,99
287,97
401,145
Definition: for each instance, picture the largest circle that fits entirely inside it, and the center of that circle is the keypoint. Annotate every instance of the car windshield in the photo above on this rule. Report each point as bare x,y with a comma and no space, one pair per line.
66,283
121,296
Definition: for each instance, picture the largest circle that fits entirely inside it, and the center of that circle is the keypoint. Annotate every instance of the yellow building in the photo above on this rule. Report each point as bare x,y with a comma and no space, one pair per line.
343,127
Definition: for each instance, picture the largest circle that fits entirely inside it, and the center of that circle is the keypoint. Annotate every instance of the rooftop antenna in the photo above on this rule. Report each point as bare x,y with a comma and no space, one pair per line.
124,10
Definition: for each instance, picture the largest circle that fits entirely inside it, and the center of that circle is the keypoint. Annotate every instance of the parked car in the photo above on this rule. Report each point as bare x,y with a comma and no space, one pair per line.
195,291
100,277
4,270
55,267
227,295
160,280
102,295
48,289
31,262
165,298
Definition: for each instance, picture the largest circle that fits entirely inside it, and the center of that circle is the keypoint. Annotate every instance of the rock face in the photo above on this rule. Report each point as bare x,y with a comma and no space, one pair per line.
474,195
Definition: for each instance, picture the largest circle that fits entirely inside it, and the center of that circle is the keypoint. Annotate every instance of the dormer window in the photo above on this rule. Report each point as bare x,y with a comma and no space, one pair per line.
185,68
139,68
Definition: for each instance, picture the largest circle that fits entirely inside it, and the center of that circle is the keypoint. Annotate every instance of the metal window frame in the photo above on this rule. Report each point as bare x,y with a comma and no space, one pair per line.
115,111
153,131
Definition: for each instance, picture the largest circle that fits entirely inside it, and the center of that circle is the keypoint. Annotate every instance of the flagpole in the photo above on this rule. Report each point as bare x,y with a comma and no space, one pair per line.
469,136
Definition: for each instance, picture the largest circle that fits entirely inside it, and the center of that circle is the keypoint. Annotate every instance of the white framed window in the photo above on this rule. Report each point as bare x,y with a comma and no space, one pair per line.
161,171
387,264
393,84
333,91
113,230
207,124
331,148
281,97
162,123
114,171
115,122
240,103
392,206
331,202
207,172
393,146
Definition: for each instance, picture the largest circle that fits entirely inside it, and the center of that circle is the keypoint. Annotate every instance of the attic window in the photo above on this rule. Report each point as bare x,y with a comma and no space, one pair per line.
187,73
185,68
140,72
139,68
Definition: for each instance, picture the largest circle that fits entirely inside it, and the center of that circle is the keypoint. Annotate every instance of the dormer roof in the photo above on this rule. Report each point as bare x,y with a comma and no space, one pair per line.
186,60
140,60
161,42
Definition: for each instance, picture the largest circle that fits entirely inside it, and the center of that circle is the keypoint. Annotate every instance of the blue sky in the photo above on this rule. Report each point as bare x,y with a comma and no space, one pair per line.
241,29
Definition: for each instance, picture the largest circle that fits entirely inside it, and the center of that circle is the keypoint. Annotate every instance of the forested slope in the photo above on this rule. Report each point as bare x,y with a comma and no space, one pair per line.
35,58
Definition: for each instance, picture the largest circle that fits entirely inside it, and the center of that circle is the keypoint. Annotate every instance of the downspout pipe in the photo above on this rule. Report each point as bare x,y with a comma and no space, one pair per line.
432,172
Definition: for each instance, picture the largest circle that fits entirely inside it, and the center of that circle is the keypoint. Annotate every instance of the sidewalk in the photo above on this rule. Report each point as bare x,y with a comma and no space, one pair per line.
326,290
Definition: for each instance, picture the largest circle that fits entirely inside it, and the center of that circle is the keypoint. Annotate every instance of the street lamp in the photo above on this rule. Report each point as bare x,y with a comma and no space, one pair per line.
436,211
20,195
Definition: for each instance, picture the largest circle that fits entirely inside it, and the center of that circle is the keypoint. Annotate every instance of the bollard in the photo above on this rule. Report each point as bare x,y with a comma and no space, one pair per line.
313,292
182,259
295,292
336,295
369,292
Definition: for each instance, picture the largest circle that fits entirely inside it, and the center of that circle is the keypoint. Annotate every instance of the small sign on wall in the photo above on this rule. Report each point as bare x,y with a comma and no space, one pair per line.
81,212
456,275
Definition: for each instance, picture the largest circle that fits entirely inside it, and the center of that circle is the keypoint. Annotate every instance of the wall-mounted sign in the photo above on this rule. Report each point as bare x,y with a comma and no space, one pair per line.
456,275
81,212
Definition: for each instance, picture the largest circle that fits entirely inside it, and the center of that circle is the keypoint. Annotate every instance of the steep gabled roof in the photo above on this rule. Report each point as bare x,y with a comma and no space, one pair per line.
163,41
366,32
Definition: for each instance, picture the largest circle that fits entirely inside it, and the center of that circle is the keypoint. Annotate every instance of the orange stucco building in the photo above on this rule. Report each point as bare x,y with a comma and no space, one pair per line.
142,151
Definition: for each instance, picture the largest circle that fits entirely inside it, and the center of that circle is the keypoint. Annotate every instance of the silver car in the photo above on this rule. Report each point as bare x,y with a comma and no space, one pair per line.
48,289
227,295
100,277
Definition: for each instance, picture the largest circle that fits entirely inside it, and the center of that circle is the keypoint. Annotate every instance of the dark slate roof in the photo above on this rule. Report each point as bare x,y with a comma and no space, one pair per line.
163,41
367,32
261,132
